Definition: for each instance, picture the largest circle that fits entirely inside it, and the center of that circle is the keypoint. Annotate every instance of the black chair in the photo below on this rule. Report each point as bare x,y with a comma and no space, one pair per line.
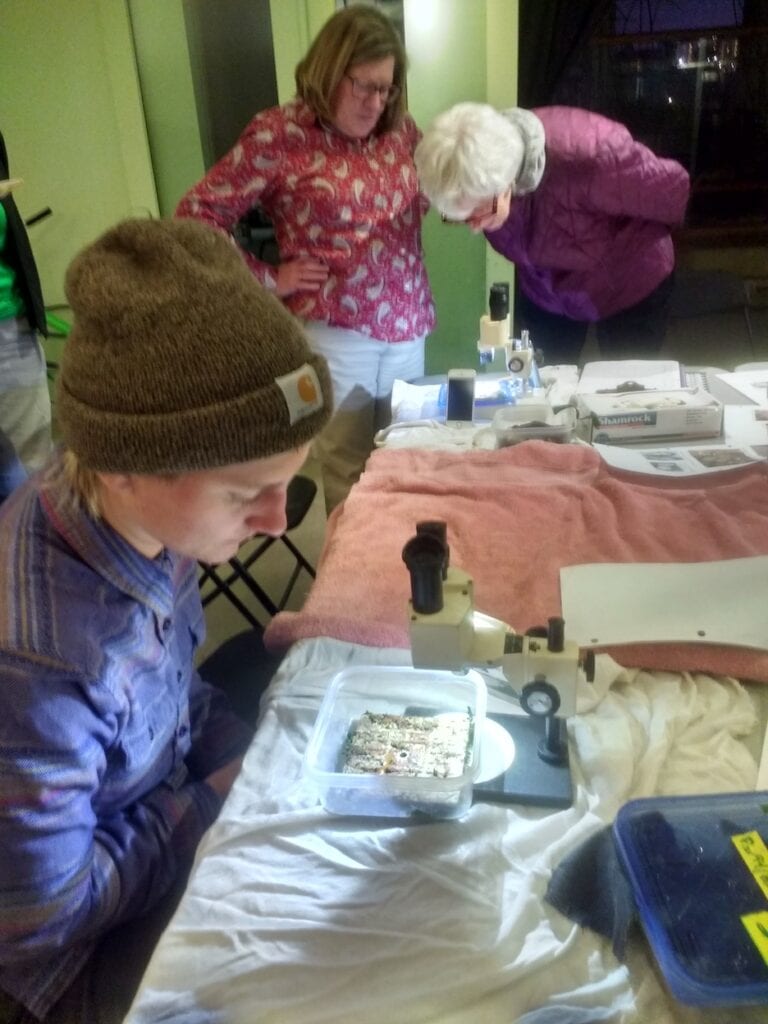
221,579
243,668
255,233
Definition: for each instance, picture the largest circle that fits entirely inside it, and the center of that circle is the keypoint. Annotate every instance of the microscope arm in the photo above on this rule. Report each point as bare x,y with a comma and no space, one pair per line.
542,670
447,633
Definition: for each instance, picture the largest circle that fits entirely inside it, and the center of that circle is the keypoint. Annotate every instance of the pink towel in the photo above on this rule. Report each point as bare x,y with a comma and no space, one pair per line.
515,516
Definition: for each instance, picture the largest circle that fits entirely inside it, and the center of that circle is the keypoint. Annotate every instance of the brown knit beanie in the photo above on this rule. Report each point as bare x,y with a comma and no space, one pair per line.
179,359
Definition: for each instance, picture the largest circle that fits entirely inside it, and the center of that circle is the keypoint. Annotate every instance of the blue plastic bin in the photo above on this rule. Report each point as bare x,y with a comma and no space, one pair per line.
699,869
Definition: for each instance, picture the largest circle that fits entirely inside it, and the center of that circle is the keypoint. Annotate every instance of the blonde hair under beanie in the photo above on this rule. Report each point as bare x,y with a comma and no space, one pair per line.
178,358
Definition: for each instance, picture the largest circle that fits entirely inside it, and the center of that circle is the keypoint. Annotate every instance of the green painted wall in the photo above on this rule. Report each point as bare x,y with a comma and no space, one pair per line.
445,40
162,58
71,114
502,49
459,51
294,25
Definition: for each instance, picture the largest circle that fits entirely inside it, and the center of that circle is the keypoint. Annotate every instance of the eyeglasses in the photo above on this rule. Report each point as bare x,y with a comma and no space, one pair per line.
476,215
367,90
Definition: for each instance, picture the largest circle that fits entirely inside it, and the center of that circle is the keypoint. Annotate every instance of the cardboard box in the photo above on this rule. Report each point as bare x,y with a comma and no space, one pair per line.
685,414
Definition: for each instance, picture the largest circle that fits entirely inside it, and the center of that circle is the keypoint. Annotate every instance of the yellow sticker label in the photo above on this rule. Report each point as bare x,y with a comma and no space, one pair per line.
754,853
757,928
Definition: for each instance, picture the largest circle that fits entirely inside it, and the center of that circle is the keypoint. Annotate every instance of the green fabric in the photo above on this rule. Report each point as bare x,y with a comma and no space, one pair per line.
11,303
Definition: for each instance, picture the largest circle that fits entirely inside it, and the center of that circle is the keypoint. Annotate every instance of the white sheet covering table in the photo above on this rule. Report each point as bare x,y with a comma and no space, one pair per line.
293,916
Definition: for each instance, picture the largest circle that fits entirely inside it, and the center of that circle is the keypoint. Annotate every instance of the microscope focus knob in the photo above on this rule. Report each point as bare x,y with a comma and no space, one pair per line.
540,699
516,364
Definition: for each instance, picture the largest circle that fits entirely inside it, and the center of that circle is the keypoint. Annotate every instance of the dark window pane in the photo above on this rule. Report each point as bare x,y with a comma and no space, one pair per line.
698,96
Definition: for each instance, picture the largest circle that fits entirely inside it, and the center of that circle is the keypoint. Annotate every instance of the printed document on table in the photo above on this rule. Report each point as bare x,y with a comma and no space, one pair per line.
745,424
664,460
751,383
652,374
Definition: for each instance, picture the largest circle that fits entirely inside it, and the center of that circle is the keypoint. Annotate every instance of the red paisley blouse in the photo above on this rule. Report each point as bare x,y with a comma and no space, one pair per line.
353,203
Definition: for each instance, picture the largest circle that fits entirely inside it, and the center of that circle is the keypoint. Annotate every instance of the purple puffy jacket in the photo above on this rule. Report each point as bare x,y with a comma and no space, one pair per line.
594,237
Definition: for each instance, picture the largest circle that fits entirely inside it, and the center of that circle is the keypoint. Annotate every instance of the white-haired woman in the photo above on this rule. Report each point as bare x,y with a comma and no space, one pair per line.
582,209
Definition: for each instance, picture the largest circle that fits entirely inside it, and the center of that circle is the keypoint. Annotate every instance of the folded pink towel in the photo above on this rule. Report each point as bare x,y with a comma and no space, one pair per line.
516,516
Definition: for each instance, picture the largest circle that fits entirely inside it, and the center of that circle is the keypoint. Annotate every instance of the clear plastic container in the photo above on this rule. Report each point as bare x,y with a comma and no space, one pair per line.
528,421
397,691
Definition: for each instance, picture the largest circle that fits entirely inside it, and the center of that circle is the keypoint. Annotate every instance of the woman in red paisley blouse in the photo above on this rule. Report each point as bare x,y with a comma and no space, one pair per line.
333,169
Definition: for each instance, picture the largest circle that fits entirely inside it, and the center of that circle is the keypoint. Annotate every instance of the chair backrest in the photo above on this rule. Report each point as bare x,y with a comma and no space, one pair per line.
237,580
255,233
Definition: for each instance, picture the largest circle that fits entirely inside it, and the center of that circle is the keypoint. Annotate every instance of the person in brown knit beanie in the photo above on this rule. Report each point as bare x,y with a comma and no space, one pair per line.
176,361
187,399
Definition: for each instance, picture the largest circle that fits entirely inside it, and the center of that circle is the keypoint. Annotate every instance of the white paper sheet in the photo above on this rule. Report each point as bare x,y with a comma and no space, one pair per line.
746,424
722,602
751,383
679,462
762,769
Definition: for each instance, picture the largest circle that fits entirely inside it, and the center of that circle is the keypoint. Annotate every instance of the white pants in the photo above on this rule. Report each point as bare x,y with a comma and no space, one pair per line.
363,370
25,404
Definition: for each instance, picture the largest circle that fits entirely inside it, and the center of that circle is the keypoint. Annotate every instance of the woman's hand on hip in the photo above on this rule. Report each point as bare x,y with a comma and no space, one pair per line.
300,275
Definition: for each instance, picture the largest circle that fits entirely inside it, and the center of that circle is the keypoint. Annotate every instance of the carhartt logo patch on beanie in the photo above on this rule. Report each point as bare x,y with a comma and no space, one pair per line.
301,390
179,359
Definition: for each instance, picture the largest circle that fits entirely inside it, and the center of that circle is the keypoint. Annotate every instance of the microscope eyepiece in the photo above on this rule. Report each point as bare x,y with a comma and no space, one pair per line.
498,300
425,556
436,528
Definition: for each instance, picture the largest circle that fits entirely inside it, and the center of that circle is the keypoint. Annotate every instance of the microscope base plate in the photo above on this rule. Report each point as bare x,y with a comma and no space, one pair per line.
529,780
